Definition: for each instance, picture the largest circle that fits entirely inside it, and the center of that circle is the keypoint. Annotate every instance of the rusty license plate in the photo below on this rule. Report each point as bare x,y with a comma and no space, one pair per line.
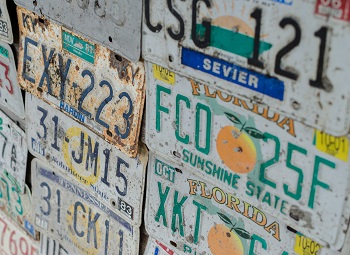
193,216
88,82
288,54
116,179
292,171
65,211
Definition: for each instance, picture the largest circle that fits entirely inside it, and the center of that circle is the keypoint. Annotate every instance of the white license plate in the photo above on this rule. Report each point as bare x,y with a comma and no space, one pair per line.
87,81
292,170
65,211
49,246
6,34
14,240
114,24
13,151
290,55
117,180
18,206
11,99
154,247
196,217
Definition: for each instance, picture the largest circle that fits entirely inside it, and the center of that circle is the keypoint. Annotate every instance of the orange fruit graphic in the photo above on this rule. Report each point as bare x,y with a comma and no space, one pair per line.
222,241
236,149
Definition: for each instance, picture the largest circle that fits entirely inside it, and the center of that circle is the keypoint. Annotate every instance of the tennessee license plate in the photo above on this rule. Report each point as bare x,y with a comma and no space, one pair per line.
13,152
11,99
115,179
6,34
196,217
290,170
285,54
66,212
115,24
14,240
88,82
18,206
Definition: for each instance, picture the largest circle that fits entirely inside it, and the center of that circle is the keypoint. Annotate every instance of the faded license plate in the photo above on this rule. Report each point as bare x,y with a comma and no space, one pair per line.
116,180
14,240
88,82
49,246
154,247
18,206
11,99
281,53
115,24
13,152
289,169
196,217
68,213
6,34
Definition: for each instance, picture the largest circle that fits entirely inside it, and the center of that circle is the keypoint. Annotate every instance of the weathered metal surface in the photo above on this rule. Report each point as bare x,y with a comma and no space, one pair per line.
18,206
115,24
14,240
66,212
285,54
6,34
14,151
88,82
290,170
115,179
49,246
10,93
154,247
194,216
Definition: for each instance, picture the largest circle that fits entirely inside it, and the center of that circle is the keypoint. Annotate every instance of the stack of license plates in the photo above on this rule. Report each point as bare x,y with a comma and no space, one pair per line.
153,127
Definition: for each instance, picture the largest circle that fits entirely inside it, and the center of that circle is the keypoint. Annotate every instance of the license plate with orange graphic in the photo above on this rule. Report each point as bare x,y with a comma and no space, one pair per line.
65,211
117,180
193,216
284,53
272,160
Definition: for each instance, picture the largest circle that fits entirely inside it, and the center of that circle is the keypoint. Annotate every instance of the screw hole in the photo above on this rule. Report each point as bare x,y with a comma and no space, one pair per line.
41,20
173,243
35,3
176,154
113,203
178,170
5,100
39,89
110,39
295,105
109,133
119,58
291,229
171,58
53,173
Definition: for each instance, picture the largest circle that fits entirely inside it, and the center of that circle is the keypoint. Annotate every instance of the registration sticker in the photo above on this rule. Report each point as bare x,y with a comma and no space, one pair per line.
305,246
253,151
65,211
163,74
117,180
335,146
338,9
90,83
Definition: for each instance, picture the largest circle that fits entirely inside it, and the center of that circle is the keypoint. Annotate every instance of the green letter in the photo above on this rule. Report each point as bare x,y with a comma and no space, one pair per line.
160,108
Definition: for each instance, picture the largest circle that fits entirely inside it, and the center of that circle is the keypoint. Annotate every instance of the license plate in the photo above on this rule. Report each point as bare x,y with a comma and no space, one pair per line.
88,82
117,180
14,240
115,24
280,53
6,34
49,246
292,170
18,206
196,217
13,152
10,93
154,247
65,211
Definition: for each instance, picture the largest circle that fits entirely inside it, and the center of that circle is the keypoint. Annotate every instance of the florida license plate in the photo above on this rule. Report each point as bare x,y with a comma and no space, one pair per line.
18,206
6,34
289,55
115,24
290,170
14,240
88,82
196,217
116,180
13,152
66,212
11,99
